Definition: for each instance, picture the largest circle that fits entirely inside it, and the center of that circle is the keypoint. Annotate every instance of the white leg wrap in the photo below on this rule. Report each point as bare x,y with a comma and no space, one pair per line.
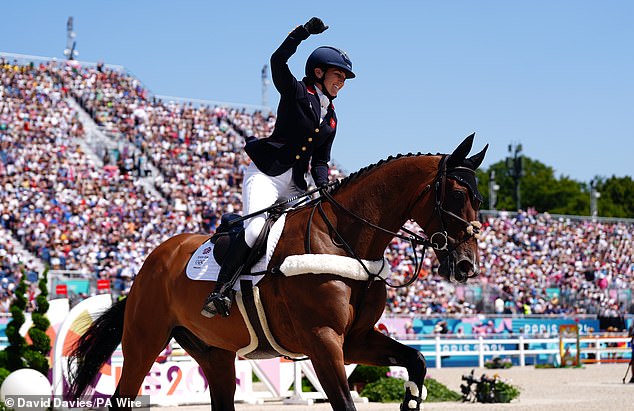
413,389
423,395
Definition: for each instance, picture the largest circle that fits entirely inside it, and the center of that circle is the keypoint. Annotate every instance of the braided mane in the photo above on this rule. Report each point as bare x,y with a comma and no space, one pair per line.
354,176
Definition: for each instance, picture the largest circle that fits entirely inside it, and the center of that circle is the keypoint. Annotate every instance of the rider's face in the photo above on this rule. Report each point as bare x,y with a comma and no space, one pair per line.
334,79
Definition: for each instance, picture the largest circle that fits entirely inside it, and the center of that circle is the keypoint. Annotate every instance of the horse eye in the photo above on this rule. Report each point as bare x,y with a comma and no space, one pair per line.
458,196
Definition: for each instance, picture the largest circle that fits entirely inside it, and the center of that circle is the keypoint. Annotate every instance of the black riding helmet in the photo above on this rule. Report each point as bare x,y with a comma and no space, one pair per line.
327,56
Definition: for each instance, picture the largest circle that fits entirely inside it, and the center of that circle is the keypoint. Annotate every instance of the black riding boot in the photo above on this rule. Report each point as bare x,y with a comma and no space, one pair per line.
218,301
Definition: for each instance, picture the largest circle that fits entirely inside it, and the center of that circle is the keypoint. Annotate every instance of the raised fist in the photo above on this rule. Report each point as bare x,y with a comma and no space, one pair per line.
315,26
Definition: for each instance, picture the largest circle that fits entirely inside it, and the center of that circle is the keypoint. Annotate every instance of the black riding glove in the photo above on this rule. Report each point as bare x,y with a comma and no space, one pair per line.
315,26
327,186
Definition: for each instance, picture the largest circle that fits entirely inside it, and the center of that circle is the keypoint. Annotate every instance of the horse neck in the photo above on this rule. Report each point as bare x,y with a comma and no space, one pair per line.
385,197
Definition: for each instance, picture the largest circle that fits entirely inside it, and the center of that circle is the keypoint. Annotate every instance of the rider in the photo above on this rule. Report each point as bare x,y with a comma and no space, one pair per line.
304,133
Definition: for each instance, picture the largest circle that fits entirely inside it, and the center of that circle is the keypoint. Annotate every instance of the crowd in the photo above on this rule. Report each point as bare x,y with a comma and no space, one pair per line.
530,264
76,215
63,208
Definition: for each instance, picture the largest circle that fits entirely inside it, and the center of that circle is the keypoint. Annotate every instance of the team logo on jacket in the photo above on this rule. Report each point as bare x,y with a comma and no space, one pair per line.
333,123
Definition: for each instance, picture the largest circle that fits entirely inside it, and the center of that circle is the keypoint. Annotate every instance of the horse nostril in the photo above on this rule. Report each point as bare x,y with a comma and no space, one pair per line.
465,268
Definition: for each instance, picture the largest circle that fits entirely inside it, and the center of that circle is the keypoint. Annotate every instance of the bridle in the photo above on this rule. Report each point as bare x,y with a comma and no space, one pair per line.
439,241
472,227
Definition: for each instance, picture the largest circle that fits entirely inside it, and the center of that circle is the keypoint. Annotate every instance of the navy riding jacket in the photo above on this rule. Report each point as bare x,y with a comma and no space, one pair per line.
298,138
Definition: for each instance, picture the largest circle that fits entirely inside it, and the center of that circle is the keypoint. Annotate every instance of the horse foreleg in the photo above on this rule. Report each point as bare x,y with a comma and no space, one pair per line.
375,348
326,354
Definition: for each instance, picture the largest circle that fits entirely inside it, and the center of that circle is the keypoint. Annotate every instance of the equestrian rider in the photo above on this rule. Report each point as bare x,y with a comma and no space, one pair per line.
304,132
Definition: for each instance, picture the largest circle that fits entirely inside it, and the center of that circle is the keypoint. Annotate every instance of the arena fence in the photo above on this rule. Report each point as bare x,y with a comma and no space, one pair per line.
522,351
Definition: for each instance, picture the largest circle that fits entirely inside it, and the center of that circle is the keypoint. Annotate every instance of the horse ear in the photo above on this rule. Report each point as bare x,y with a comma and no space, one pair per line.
457,157
475,160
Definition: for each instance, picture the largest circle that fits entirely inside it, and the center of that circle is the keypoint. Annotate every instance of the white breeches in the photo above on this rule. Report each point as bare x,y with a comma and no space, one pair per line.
260,191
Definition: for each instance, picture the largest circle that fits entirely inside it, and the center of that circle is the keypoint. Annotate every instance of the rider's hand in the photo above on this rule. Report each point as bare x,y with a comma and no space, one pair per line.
324,186
315,26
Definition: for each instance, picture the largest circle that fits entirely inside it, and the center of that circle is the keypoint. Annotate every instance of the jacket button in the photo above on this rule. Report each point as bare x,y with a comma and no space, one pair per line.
310,139
316,130
297,157
304,148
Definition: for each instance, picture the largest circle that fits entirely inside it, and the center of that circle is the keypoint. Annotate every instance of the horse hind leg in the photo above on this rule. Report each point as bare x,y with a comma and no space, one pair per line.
218,366
375,348
143,340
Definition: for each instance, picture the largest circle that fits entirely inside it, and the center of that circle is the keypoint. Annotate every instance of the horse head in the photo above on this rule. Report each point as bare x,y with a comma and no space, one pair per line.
453,227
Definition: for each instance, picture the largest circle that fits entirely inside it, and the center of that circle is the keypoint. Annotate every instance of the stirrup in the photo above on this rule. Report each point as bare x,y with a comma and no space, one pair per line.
216,303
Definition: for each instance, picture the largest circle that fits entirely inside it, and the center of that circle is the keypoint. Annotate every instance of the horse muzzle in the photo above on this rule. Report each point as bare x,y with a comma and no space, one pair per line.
458,270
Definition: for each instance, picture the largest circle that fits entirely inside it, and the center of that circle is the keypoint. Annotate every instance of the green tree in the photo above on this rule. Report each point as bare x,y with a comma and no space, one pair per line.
617,197
37,352
539,189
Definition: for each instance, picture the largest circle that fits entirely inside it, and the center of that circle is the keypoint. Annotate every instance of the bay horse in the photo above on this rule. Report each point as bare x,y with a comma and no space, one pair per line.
328,318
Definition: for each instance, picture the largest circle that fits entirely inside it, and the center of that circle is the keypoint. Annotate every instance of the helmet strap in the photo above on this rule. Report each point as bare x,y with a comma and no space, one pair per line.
323,86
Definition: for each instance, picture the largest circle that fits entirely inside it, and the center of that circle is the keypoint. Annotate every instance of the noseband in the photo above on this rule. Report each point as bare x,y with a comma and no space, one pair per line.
438,241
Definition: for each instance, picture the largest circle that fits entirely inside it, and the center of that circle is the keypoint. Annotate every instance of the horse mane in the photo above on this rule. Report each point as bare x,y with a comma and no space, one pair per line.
357,174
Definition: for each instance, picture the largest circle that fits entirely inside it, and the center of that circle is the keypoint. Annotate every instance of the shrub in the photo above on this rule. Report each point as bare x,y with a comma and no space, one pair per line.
36,354
392,390
13,359
497,362
4,373
437,392
18,354
505,392
385,389
366,374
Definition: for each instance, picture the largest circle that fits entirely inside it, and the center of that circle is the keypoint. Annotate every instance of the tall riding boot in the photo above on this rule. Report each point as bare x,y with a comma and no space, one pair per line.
218,301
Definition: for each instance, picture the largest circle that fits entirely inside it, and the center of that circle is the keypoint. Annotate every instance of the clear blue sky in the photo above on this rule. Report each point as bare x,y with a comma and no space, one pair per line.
555,76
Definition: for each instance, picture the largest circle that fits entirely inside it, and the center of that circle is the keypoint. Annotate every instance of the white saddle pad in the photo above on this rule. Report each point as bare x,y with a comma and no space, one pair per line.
203,266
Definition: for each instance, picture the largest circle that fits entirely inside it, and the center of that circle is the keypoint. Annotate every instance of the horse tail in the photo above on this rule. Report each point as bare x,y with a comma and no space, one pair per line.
94,348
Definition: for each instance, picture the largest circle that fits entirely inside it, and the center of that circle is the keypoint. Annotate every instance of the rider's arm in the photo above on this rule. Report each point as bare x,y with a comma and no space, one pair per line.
319,162
283,79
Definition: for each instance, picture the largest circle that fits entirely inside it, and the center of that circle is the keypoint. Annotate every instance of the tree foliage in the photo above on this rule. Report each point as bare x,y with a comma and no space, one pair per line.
542,190
617,196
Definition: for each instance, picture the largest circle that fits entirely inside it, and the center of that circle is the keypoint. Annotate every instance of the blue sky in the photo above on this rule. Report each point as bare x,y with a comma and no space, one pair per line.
555,76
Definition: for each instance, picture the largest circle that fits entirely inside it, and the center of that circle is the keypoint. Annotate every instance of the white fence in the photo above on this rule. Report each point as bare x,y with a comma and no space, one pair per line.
596,348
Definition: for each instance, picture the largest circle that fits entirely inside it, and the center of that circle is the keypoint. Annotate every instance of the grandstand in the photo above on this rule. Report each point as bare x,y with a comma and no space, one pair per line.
96,171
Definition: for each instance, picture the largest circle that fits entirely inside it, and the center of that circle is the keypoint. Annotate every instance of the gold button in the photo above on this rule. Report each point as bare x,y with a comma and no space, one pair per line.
310,139
316,130
297,157
304,148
